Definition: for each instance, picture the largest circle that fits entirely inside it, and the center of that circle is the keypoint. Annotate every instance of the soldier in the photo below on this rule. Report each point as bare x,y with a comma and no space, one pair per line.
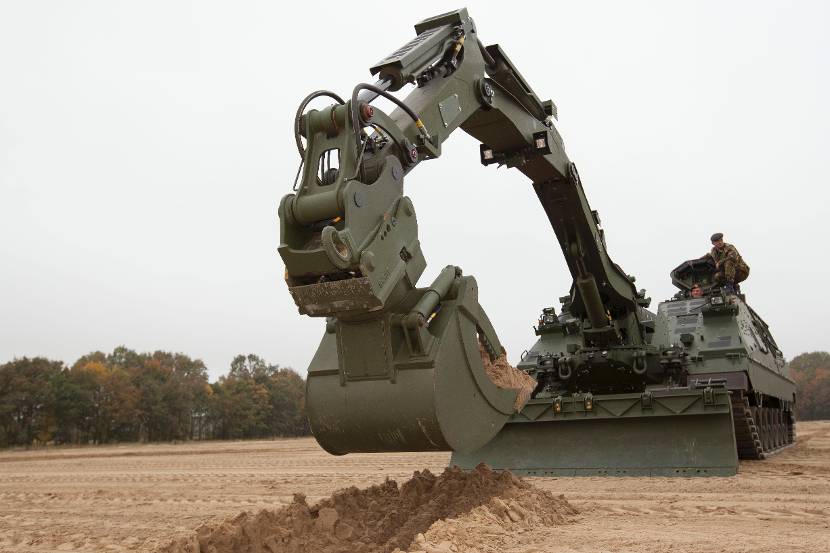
729,265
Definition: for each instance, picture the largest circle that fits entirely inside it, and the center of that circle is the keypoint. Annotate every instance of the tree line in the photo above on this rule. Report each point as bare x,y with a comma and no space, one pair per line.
811,372
125,396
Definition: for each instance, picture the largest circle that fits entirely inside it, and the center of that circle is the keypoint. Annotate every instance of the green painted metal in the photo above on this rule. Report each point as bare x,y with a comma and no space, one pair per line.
366,392
725,336
669,433
399,366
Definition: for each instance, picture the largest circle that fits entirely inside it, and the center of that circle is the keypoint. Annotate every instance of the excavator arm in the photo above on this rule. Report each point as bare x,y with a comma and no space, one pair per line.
399,367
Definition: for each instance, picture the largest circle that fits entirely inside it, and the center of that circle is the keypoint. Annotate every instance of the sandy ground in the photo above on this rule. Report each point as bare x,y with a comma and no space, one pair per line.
137,497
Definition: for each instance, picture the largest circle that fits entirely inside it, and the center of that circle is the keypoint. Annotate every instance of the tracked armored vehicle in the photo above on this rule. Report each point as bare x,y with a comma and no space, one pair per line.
618,389
676,420
727,341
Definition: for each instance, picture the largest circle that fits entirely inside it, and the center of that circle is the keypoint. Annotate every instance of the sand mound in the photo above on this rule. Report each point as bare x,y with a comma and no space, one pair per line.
426,513
505,375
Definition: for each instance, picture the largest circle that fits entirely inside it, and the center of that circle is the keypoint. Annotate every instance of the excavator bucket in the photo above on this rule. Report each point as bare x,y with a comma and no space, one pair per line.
375,386
672,432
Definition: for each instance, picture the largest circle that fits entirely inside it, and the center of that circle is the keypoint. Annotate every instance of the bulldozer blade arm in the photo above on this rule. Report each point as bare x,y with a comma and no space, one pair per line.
681,433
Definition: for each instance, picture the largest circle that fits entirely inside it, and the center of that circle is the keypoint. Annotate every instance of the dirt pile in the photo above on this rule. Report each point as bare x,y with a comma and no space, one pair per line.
505,375
427,513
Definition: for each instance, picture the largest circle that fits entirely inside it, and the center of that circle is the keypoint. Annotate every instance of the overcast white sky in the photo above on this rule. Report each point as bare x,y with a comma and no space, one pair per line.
144,147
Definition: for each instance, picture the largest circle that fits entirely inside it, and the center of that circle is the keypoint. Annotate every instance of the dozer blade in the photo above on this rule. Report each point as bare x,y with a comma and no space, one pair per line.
371,388
674,432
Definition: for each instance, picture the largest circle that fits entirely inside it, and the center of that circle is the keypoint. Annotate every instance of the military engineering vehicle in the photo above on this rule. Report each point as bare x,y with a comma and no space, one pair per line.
619,389
644,428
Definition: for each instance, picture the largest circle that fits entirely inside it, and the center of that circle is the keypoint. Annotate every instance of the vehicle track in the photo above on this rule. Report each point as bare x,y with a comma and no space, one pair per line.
760,430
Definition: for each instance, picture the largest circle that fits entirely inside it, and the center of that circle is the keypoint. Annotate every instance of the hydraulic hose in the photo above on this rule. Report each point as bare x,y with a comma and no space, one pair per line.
356,126
301,109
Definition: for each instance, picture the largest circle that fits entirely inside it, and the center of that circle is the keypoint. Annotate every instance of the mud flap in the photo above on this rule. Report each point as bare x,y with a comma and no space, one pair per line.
675,432
368,390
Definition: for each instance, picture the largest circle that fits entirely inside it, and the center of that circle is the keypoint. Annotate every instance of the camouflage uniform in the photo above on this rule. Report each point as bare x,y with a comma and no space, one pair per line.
732,267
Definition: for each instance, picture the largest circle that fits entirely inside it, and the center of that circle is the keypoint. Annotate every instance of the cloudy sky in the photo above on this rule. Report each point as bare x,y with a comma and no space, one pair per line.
144,147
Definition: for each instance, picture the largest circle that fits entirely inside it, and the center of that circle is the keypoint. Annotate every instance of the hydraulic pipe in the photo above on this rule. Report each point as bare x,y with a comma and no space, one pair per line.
315,207
593,302
433,295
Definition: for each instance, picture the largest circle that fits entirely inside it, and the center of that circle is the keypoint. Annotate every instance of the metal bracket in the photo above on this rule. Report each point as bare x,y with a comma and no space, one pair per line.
708,396
429,149
588,401
539,146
